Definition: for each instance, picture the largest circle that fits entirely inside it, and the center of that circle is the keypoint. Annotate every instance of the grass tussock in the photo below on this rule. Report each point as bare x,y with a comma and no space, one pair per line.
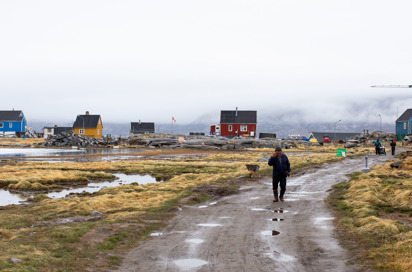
371,208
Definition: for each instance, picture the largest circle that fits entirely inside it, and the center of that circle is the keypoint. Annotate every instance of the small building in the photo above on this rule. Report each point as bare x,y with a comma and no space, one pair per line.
404,125
138,128
333,136
236,123
88,125
13,121
51,131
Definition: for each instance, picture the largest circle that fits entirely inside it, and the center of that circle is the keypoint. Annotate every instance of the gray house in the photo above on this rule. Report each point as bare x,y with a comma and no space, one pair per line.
137,128
50,131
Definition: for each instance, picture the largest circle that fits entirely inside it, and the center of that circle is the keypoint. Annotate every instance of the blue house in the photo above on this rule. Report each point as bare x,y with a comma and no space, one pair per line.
404,125
12,122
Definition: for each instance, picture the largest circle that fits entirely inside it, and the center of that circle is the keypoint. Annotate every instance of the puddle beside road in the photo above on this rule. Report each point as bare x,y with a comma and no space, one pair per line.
8,198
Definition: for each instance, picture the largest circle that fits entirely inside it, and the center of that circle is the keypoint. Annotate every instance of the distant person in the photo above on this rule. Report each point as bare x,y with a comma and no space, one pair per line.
281,170
393,145
377,147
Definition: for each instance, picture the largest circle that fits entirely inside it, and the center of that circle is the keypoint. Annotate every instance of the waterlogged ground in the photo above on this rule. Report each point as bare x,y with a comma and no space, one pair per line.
247,232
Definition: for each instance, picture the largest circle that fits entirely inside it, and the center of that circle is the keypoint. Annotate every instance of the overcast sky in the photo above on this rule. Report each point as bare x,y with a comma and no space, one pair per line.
151,60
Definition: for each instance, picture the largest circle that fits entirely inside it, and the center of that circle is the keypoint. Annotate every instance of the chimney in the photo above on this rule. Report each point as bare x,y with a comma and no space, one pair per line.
87,112
236,112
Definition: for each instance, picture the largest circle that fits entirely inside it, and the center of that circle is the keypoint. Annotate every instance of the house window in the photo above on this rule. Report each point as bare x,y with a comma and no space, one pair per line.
404,125
98,132
1,125
230,128
81,131
10,125
243,128
49,130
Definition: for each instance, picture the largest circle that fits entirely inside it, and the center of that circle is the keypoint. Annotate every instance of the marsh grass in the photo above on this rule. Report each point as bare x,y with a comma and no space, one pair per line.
364,201
132,211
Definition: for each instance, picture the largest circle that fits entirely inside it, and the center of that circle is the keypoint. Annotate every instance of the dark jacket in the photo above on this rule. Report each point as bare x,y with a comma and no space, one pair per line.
278,169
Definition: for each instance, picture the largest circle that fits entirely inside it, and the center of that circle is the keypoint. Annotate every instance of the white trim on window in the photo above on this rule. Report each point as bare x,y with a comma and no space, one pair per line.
81,131
230,128
243,128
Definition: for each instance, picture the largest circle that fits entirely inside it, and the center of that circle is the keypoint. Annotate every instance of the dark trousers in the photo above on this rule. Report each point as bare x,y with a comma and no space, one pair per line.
393,150
377,150
275,182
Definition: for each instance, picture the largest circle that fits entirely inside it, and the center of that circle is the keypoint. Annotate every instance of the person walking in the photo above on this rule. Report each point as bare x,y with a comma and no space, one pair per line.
377,146
281,170
393,145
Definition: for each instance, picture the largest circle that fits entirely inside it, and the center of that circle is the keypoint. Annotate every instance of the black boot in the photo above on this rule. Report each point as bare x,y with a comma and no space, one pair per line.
275,193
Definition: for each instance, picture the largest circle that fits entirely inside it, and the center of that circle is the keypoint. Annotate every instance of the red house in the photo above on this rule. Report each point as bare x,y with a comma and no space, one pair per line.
236,123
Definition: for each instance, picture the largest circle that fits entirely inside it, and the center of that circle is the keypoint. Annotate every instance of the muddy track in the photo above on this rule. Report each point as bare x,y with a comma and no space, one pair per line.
247,232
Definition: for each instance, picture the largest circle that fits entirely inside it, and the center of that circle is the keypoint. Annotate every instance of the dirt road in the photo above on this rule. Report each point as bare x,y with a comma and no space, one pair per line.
247,232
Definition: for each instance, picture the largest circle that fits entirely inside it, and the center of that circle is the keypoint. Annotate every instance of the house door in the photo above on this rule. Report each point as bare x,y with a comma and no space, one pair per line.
217,130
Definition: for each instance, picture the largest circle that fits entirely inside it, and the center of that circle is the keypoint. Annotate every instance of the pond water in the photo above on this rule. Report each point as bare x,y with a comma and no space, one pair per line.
8,198
57,154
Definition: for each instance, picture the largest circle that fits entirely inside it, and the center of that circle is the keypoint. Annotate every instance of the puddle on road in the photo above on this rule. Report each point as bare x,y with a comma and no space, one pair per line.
156,234
258,209
225,217
209,225
321,220
270,233
277,219
194,241
280,257
256,197
203,206
189,263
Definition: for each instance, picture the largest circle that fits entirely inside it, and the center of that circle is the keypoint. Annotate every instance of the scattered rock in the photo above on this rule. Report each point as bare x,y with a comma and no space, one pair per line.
397,164
14,260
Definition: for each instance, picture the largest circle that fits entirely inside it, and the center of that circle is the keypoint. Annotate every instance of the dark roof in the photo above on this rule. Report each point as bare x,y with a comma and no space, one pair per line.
406,116
338,135
90,121
142,126
59,130
11,115
238,117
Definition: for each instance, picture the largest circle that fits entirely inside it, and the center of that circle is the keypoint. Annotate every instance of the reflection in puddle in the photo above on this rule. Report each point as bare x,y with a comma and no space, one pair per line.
202,207
258,209
275,232
194,241
277,219
256,197
209,225
280,210
155,234
189,263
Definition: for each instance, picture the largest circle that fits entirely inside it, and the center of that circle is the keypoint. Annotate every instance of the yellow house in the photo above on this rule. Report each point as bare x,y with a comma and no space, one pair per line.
88,125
